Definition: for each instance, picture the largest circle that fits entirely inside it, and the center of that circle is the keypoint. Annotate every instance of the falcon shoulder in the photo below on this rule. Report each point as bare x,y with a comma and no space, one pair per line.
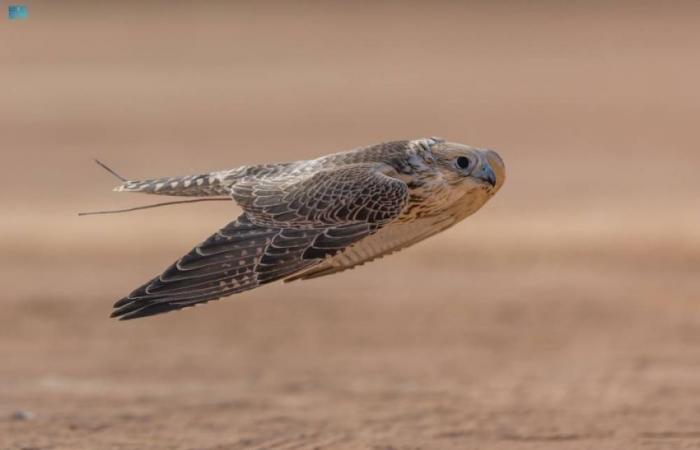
357,193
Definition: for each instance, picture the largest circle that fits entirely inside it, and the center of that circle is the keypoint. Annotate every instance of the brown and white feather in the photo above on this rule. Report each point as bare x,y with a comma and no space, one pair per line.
307,219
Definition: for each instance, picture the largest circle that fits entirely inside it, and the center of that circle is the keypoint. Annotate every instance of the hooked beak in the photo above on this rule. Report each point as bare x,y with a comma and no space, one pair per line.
486,174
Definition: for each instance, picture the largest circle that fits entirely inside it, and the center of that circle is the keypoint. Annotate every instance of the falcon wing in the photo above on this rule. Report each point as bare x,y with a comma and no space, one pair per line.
390,239
288,226
359,193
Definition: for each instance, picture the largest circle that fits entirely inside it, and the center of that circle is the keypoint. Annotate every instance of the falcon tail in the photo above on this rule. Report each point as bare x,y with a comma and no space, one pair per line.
204,185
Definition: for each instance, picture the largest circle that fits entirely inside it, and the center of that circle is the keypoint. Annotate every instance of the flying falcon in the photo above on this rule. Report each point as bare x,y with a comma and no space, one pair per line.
308,219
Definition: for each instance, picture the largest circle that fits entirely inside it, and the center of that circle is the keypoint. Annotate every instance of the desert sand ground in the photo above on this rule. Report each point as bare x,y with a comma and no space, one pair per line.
564,315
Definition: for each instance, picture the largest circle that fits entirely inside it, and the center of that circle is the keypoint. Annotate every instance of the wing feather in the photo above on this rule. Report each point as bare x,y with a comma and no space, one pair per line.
390,239
350,194
287,227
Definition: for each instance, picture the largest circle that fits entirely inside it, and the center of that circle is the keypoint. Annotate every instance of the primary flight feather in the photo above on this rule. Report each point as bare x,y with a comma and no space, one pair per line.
312,218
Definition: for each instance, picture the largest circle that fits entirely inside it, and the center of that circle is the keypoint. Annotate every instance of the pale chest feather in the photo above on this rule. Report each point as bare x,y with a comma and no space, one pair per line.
435,197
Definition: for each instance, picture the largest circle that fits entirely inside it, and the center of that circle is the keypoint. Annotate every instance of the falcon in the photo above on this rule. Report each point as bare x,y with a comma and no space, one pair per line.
307,219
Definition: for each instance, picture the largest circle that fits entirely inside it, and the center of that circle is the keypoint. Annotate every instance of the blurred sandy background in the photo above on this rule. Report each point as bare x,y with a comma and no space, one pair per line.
564,315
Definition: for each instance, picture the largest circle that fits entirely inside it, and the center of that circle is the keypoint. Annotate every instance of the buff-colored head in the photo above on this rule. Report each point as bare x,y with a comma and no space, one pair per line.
470,167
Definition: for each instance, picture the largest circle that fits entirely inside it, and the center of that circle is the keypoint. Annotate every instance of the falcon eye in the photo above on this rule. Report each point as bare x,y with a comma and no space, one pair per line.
463,162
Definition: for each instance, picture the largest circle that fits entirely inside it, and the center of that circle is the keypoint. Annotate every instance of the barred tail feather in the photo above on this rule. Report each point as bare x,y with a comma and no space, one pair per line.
204,185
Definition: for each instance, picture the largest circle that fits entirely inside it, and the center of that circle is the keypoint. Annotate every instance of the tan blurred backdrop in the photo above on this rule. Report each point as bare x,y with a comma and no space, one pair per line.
565,314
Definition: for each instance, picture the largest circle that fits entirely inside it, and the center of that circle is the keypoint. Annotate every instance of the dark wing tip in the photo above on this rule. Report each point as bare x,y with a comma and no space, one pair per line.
122,302
136,310
128,308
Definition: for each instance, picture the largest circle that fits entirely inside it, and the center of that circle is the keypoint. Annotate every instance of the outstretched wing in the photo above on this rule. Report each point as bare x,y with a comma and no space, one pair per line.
309,220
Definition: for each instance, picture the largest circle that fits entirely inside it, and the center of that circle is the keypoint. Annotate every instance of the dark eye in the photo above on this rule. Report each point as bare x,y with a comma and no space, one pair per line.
463,162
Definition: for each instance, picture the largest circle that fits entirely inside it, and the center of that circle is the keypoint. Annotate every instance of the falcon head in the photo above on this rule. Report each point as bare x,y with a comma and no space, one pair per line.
470,168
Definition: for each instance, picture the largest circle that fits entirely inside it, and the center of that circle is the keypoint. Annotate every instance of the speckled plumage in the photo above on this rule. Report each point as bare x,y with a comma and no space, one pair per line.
312,218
